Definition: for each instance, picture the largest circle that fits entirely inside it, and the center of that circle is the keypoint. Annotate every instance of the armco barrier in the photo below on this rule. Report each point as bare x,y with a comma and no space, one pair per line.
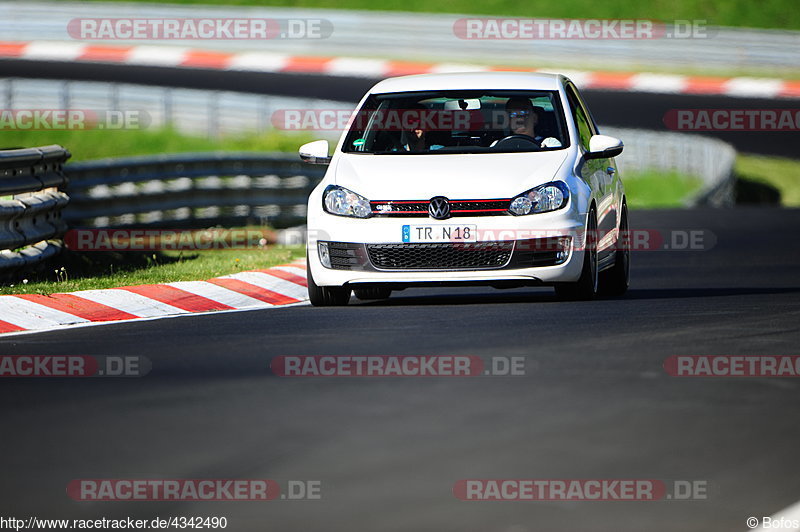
31,205
188,190
708,159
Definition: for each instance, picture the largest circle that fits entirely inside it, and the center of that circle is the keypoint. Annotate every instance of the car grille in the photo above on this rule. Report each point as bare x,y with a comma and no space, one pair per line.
411,209
440,256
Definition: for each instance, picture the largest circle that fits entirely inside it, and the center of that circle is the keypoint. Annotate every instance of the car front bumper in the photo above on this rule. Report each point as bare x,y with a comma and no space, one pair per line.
527,241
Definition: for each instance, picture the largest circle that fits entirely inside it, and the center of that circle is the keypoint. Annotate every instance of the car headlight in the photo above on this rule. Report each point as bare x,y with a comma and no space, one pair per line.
342,202
544,198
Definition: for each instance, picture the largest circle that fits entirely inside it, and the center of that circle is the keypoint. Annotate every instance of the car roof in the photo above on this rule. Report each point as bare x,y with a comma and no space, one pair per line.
471,81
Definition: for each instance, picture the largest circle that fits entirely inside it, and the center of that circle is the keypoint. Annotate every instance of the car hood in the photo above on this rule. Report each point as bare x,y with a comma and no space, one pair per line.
455,176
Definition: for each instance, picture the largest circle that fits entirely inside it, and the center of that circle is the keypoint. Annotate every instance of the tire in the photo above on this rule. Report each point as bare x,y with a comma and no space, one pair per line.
585,288
615,280
376,292
326,296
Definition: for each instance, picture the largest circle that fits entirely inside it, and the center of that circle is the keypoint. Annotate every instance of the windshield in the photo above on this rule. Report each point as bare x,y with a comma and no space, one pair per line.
458,122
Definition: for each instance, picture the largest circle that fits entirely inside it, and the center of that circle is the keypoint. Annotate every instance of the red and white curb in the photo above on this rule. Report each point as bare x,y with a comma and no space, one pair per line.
181,57
272,287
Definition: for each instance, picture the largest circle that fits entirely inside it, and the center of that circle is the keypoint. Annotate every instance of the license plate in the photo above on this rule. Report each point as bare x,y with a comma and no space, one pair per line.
440,233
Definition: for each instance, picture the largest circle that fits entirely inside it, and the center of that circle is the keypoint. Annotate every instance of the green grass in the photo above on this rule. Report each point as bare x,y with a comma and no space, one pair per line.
658,189
91,270
782,175
96,144
750,13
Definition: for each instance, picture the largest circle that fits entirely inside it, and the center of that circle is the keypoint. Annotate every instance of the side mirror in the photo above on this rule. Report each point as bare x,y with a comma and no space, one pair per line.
603,147
315,152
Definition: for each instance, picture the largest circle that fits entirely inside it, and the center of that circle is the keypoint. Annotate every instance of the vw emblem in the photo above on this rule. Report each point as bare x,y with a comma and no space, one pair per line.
439,208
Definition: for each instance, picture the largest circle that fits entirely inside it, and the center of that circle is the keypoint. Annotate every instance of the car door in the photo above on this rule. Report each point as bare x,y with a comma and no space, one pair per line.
598,173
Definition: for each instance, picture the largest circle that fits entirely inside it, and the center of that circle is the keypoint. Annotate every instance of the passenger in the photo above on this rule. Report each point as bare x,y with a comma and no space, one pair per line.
415,139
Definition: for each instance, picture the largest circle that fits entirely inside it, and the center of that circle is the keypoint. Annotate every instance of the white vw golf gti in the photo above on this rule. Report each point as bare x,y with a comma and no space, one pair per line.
498,179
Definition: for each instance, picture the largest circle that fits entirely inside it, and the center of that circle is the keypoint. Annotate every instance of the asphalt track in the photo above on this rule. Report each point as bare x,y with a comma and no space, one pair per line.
621,109
595,402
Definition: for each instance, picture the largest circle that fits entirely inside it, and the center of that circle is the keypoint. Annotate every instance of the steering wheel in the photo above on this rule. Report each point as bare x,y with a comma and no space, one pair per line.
519,141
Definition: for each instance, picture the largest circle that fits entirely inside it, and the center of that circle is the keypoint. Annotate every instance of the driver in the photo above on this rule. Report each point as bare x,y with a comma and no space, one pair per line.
523,118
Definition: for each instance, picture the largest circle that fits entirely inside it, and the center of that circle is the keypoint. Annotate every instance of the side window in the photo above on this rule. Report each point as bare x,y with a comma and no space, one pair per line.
581,117
586,112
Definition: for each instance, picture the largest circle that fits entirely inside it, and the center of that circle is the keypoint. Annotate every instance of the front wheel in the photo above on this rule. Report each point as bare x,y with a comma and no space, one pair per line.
615,280
585,288
326,296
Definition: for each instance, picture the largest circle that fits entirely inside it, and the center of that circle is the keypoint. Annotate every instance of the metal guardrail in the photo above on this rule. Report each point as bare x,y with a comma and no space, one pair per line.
708,159
192,111
427,36
190,190
31,205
